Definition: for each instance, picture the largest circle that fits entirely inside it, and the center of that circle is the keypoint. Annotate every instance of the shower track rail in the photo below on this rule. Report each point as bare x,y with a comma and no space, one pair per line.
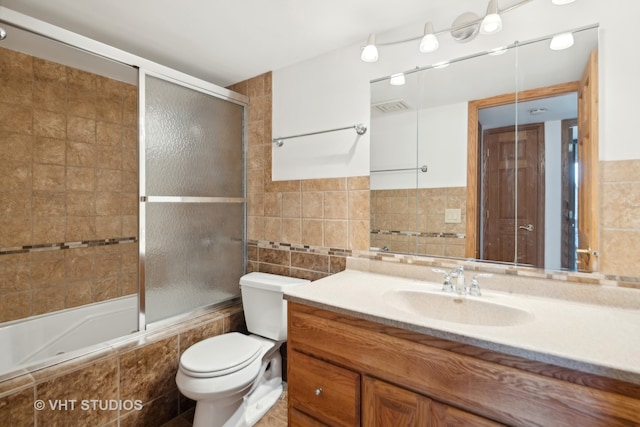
360,128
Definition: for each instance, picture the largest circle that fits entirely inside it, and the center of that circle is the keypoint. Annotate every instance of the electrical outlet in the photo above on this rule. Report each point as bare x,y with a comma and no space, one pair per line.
452,216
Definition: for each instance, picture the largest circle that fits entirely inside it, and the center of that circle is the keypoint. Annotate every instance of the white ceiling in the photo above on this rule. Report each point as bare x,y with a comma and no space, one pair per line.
226,41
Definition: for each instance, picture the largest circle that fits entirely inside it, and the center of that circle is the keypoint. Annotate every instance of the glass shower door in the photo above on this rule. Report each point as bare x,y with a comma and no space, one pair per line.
192,199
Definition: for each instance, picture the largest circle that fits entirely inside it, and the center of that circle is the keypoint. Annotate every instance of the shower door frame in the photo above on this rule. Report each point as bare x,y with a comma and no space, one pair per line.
143,199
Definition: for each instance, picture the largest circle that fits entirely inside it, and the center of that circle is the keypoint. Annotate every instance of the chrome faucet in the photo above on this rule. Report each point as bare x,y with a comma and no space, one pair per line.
458,275
448,285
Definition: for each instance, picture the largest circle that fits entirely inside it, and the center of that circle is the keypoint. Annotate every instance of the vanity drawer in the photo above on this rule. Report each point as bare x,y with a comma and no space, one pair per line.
324,391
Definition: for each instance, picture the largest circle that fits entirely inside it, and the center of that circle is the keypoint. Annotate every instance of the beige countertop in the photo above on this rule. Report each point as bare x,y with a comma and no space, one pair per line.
596,339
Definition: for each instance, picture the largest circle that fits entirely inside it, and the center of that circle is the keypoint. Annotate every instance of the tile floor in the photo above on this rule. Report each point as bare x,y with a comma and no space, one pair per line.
276,417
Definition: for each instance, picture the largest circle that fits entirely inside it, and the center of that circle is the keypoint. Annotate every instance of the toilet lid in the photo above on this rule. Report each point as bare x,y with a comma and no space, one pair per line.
220,355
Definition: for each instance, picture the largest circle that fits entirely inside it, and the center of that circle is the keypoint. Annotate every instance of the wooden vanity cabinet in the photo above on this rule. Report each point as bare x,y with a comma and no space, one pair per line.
344,371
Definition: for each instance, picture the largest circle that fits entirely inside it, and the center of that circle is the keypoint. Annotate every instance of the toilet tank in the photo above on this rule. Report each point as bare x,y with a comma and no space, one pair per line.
265,310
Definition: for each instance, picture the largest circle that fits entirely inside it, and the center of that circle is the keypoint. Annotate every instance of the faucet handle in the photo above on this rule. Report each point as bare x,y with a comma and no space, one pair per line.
474,289
446,285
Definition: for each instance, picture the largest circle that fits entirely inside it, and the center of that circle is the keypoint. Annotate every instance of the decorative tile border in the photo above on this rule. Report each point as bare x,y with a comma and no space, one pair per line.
472,265
300,248
66,245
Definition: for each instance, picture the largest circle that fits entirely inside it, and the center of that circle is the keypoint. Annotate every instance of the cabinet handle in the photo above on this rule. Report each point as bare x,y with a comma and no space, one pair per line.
318,391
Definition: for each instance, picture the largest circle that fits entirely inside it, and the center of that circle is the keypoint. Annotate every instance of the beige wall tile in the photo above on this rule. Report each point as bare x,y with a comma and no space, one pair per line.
16,118
336,233
312,204
292,230
50,229
48,177
81,103
80,178
16,147
80,228
291,205
358,235
50,96
15,64
359,204
15,203
15,305
79,293
81,203
49,203
14,232
15,176
49,151
80,154
15,270
336,205
273,229
109,180
273,204
326,184
312,232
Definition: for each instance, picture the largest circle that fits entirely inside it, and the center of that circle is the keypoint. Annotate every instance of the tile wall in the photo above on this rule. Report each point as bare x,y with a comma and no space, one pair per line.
140,371
302,228
620,217
413,221
68,187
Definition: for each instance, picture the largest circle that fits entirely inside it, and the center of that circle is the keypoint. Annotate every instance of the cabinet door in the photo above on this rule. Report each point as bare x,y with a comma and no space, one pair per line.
448,416
385,405
324,391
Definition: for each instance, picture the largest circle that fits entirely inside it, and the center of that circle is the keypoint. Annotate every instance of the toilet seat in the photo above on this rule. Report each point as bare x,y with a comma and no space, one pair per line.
220,355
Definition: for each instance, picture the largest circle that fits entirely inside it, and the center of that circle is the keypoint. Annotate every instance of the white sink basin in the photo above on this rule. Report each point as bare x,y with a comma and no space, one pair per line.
457,309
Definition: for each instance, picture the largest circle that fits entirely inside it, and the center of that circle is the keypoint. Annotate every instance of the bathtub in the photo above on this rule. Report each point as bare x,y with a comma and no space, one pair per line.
65,334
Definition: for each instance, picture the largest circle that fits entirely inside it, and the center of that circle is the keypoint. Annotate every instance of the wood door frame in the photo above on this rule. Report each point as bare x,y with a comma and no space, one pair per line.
472,240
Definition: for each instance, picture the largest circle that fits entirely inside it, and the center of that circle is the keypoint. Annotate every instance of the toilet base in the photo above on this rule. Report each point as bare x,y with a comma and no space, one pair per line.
255,405
245,412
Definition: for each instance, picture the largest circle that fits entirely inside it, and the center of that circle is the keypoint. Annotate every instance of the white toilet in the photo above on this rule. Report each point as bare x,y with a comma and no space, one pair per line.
236,378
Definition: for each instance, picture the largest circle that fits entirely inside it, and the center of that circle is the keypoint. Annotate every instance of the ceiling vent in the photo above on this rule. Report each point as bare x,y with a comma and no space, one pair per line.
392,106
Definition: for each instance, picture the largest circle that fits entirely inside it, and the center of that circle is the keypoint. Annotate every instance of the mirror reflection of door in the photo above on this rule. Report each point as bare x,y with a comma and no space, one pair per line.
513,194
526,219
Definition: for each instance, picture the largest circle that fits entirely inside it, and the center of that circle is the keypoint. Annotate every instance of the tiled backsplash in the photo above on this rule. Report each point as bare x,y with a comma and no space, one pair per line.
68,186
413,220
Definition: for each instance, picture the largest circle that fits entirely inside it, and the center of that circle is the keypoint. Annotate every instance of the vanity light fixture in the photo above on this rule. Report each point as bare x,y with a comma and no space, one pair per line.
370,51
397,79
464,29
561,41
429,42
492,23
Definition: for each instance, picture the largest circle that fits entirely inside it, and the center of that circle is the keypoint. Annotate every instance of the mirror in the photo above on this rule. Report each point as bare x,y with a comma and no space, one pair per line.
429,187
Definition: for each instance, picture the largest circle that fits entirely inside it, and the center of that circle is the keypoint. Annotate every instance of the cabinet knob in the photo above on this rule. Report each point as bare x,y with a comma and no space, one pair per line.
318,391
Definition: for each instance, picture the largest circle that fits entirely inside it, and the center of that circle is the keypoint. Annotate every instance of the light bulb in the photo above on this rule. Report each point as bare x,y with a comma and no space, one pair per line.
561,41
429,42
370,51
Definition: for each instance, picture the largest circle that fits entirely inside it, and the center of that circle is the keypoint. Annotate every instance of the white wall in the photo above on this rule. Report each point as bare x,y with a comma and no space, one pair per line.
332,90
